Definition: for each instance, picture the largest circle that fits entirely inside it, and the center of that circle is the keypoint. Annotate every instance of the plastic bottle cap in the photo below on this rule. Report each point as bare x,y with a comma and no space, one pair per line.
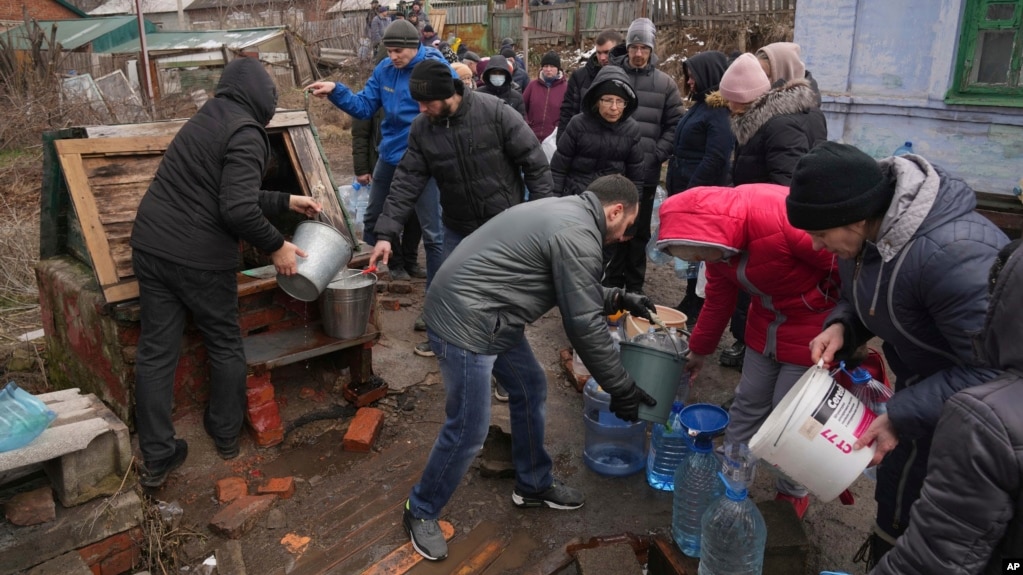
860,375
356,185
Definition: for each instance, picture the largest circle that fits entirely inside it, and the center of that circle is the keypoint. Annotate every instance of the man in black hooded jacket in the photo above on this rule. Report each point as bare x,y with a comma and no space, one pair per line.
205,197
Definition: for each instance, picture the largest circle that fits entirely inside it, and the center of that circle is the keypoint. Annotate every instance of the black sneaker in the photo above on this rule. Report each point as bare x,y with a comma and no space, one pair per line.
226,448
733,356
420,324
500,393
557,496
398,274
416,271
427,538
156,472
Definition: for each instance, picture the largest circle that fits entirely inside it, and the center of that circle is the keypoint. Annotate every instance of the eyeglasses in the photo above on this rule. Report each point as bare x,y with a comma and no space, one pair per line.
612,102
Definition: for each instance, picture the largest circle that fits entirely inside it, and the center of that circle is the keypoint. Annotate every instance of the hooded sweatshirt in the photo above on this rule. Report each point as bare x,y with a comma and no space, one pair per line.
786,65
499,65
206,193
703,137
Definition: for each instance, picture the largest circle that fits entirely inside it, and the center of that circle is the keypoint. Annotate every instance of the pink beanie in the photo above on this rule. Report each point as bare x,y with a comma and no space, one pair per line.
744,81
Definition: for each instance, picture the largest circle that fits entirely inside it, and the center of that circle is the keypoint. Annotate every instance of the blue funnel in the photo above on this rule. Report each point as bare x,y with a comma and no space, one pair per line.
704,422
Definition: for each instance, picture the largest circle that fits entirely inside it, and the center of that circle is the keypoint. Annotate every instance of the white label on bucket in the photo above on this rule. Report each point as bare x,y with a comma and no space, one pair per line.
839,409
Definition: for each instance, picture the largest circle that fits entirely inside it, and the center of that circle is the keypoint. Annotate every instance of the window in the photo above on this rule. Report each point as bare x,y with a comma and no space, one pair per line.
990,51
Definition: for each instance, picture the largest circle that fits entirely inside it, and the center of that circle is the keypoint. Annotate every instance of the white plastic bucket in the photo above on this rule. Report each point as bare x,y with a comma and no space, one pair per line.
810,435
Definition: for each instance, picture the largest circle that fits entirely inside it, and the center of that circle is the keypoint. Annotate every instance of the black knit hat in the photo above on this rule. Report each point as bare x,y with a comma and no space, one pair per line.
401,34
834,185
431,80
551,59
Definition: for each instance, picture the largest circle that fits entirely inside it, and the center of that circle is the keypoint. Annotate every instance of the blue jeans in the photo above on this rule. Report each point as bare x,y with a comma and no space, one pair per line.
427,209
466,378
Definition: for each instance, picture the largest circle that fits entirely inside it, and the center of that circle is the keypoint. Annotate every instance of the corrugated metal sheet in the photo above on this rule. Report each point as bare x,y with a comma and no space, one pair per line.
128,7
474,12
102,33
199,40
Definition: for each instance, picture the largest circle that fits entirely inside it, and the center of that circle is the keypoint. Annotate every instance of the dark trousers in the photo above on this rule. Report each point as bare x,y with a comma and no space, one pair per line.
625,263
738,327
168,293
406,254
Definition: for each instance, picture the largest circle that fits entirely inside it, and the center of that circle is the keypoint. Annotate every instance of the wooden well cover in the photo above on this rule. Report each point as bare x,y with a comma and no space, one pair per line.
108,173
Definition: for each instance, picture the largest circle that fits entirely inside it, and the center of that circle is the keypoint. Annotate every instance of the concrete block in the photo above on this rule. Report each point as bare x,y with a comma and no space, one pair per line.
229,558
31,507
231,488
363,430
25,547
618,559
86,451
283,487
70,563
787,545
239,517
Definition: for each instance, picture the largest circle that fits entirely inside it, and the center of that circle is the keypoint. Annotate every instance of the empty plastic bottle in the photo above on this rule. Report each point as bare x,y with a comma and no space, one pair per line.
871,392
355,198
696,486
734,533
906,148
655,255
667,448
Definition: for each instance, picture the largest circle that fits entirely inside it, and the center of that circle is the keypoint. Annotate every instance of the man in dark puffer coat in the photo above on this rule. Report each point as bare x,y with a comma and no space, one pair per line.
970,513
660,108
592,146
205,196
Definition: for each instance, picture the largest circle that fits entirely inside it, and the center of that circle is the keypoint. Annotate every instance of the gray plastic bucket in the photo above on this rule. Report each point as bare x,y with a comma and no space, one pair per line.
656,372
346,303
329,251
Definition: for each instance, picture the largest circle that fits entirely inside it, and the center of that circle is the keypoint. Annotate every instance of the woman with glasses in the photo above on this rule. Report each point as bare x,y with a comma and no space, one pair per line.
747,243
602,139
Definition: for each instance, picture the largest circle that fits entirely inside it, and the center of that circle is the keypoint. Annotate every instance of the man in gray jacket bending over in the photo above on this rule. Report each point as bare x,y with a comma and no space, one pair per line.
507,274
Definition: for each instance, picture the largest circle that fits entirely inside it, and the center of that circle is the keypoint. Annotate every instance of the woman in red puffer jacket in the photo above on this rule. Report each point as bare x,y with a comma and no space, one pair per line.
744,236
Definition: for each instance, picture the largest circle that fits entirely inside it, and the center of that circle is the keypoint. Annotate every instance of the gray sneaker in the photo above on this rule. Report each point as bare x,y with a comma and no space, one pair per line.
423,349
426,536
557,496
500,393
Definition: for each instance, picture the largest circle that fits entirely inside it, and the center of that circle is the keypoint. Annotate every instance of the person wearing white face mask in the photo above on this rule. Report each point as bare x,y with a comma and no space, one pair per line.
497,81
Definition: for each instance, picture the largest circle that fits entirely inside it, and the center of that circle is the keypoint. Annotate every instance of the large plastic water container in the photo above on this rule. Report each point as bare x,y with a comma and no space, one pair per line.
355,197
734,535
612,446
696,480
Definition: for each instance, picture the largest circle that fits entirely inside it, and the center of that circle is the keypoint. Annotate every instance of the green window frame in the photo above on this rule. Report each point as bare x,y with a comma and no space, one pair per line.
990,51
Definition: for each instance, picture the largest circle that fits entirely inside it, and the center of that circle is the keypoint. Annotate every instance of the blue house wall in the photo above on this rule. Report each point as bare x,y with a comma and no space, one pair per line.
884,67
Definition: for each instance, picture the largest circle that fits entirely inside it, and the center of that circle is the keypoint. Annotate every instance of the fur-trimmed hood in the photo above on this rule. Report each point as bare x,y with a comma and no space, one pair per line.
716,100
792,98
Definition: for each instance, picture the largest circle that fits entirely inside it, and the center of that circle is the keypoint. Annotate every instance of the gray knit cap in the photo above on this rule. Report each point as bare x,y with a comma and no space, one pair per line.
641,31
401,34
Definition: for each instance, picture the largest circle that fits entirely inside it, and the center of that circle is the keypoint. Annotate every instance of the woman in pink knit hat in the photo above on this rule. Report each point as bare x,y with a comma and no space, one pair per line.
773,128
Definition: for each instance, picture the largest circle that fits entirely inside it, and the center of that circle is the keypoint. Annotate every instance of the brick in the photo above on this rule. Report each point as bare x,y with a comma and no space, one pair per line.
259,395
240,516
618,559
282,487
264,417
388,302
400,287
31,507
110,546
229,558
268,437
363,430
231,488
121,562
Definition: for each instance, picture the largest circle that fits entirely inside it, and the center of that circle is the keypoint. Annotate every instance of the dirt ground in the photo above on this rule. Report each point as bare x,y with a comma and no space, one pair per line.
349,504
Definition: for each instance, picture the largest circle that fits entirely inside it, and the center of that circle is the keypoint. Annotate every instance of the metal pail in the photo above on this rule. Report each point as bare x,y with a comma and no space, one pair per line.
346,303
329,251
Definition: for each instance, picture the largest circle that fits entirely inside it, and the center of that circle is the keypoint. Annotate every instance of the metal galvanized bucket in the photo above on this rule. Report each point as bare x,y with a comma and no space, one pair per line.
329,251
346,303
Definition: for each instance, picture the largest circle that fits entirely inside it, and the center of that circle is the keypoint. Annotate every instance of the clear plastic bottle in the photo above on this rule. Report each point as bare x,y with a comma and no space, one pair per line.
906,148
871,392
734,534
578,367
696,486
655,255
656,339
667,448
681,268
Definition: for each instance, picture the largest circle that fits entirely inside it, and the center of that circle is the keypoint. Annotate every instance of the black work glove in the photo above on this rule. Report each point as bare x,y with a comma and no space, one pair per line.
626,405
637,304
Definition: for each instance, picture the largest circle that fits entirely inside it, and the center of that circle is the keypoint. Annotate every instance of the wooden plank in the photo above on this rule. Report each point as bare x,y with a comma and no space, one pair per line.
481,557
282,119
311,167
274,349
399,561
121,145
85,207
